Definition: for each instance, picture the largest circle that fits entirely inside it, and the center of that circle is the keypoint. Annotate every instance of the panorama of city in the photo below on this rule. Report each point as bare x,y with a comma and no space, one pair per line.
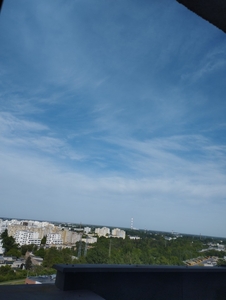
30,248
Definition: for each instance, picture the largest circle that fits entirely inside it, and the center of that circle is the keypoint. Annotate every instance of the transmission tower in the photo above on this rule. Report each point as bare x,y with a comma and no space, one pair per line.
109,251
86,246
131,225
80,247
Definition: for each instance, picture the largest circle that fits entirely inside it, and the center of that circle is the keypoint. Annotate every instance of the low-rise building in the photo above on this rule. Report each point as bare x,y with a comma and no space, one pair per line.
90,240
134,237
36,260
18,264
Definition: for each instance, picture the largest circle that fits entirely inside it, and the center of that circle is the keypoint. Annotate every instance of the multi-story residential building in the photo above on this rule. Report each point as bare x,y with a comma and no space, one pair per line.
76,237
102,231
69,237
54,239
23,237
66,236
119,233
3,225
36,227
87,230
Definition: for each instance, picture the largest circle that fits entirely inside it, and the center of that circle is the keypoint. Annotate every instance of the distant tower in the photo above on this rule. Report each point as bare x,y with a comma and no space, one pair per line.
131,225
80,247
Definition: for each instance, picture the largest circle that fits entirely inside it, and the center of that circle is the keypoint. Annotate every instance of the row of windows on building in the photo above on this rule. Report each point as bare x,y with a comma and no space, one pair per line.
28,238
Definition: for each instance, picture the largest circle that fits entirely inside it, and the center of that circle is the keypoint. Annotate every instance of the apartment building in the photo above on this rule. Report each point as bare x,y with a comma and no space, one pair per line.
104,231
54,239
24,237
118,233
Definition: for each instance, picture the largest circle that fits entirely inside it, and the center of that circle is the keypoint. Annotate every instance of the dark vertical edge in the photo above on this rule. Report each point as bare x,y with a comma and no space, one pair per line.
60,280
1,2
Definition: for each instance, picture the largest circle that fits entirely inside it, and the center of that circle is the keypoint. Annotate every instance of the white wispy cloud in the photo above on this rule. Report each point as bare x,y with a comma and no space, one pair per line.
212,61
12,124
17,132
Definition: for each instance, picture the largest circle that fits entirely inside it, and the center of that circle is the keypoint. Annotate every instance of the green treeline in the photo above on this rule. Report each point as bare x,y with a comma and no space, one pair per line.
151,251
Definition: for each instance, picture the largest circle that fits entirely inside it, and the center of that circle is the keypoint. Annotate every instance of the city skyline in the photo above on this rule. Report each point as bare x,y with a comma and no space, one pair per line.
112,110
135,230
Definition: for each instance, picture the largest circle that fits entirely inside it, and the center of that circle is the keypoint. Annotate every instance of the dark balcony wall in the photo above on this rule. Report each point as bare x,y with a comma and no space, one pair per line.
134,282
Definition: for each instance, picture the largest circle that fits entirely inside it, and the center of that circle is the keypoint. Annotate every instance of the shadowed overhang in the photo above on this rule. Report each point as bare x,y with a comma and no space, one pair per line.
214,11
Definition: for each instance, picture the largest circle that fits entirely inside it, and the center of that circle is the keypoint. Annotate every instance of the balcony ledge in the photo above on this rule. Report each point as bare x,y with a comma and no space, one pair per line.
135,282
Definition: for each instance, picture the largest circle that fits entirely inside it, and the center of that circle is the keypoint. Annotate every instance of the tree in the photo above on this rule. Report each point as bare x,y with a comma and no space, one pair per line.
28,263
43,241
4,234
14,252
29,248
54,256
4,270
221,262
40,252
8,242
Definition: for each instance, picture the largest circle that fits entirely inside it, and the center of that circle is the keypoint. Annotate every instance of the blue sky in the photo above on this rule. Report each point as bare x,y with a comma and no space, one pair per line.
111,110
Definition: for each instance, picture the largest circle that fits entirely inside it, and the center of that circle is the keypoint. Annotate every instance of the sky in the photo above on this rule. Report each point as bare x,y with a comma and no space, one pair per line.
112,110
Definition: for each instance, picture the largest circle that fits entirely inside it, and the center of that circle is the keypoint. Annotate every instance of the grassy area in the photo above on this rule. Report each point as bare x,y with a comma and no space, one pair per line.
13,282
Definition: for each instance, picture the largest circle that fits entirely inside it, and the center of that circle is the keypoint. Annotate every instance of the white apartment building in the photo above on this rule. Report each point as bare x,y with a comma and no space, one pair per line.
24,237
54,239
2,250
3,225
87,230
102,231
119,233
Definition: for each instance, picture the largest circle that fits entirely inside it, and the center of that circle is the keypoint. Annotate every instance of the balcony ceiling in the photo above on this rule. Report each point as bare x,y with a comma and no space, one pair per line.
214,11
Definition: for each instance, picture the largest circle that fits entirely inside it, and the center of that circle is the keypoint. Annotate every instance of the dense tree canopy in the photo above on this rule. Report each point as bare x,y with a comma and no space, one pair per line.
54,256
148,250
28,263
8,242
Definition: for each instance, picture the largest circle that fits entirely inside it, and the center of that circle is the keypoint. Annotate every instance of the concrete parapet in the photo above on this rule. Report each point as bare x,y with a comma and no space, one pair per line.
130,282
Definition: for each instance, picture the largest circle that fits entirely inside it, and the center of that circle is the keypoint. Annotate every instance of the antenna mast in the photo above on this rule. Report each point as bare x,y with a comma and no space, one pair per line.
131,225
